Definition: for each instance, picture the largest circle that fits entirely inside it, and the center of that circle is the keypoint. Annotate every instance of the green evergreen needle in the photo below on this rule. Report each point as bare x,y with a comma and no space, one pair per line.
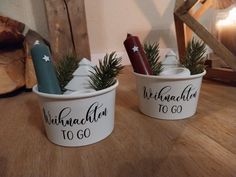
194,58
65,69
104,74
152,53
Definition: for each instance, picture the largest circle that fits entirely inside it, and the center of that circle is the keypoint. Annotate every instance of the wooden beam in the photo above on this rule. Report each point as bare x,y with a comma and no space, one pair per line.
67,28
221,74
183,33
59,29
206,5
199,12
210,40
78,23
188,31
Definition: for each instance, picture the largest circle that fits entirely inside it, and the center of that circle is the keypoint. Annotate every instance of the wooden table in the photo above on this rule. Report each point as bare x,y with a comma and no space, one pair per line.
140,146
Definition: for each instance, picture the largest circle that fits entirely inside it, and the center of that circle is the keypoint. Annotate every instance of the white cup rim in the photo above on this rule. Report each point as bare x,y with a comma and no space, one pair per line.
82,95
170,77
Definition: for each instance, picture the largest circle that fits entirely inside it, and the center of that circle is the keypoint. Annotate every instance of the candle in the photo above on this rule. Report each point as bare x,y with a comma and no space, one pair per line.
137,55
43,66
226,31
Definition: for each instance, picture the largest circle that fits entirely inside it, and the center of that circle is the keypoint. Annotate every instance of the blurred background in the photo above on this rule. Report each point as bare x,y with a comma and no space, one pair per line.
109,21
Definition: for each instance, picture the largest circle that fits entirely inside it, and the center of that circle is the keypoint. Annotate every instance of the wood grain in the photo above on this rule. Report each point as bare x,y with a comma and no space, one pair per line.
67,28
12,71
196,13
79,27
59,29
203,145
202,9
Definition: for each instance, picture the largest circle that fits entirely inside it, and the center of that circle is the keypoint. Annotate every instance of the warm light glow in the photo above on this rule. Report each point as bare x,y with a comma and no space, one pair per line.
229,20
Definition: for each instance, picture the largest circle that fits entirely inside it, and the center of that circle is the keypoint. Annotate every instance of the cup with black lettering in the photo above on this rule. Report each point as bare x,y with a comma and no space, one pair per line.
168,97
78,120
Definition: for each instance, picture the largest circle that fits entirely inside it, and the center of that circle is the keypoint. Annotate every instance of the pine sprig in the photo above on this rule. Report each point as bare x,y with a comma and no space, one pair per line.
153,55
195,56
65,68
104,75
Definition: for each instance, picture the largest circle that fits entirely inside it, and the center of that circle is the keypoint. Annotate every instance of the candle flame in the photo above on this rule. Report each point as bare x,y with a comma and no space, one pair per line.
229,20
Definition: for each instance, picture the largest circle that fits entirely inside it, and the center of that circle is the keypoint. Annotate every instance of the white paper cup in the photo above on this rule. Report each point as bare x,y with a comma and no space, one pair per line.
78,120
169,98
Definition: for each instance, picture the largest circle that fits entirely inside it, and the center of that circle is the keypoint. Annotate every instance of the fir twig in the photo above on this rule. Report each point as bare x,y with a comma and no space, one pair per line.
152,53
104,75
65,68
195,56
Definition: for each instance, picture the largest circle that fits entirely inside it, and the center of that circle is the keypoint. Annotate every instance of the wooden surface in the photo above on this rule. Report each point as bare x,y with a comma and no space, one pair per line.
67,28
140,146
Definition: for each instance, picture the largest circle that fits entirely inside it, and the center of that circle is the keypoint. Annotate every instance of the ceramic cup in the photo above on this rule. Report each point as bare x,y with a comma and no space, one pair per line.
78,120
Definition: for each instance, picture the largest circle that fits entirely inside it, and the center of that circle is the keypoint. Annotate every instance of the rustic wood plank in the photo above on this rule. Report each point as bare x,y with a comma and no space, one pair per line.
79,27
67,28
203,145
59,29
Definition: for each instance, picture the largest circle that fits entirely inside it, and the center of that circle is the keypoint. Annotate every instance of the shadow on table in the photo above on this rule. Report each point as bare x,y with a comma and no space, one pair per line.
3,166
